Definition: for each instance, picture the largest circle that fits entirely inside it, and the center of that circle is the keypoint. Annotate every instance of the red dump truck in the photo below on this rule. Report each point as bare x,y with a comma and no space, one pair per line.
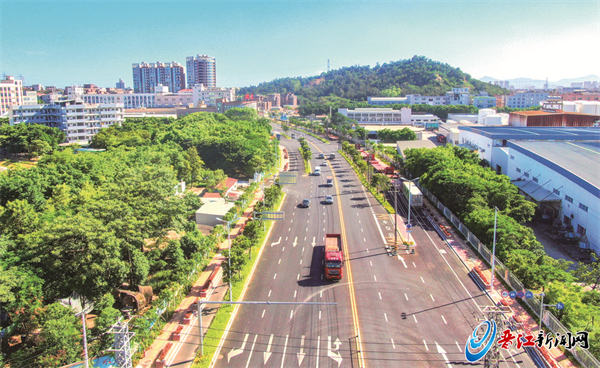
334,257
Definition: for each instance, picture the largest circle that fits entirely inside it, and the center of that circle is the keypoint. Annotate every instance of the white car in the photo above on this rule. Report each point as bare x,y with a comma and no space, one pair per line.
324,163
329,199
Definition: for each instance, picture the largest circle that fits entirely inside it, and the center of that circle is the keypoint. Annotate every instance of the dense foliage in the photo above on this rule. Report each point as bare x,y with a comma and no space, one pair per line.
417,75
92,223
33,139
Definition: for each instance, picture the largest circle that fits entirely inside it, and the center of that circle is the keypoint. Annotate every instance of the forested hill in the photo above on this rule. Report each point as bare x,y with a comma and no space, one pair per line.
418,75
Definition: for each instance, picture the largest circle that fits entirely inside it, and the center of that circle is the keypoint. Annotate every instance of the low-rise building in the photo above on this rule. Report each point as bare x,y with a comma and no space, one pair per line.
523,100
129,100
79,121
388,116
484,102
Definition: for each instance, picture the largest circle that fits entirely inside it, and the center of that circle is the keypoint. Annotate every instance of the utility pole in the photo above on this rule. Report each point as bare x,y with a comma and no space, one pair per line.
122,345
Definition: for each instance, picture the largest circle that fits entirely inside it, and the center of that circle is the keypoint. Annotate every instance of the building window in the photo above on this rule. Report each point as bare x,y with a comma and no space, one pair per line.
583,207
556,191
581,230
569,199
567,220
526,174
518,170
535,179
512,157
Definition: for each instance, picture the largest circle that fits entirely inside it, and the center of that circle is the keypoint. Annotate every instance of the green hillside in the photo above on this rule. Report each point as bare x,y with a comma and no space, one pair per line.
418,75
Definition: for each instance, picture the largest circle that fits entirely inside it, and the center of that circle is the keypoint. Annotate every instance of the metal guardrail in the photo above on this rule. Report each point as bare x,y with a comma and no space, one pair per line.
583,356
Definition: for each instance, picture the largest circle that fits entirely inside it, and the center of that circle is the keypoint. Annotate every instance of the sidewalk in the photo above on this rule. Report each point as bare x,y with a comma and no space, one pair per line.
518,313
217,292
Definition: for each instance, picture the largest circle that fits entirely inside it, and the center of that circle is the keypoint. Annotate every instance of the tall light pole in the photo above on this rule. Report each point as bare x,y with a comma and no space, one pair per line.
494,249
409,194
85,349
229,250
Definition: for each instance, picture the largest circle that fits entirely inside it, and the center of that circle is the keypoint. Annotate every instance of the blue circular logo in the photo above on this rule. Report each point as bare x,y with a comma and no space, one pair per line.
528,294
513,294
473,348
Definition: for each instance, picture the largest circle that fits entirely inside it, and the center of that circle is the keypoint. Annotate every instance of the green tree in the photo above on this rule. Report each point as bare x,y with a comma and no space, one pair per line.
588,273
60,335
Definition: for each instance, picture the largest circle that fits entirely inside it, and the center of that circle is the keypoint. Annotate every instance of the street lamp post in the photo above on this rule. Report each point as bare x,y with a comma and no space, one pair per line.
494,249
229,251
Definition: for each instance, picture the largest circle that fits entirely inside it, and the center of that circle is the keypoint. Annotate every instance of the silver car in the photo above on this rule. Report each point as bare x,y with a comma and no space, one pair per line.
329,199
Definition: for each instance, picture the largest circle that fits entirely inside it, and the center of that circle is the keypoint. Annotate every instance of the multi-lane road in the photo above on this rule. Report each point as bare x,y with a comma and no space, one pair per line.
411,311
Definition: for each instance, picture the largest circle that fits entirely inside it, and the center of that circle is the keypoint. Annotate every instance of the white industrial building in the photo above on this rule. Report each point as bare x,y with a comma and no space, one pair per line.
11,94
558,168
129,100
79,121
388,116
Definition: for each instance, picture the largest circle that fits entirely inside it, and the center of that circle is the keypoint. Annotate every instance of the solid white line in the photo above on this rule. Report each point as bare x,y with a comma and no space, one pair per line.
415,317
274,276
459,349
379,295
284,349
422,279
380,231
263,313
318,346
444,320
251,350
393,345
375,277
406,296
425,345
432,297
385,315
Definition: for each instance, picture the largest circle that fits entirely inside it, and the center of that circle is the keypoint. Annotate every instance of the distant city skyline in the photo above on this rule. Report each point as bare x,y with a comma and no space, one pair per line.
69,42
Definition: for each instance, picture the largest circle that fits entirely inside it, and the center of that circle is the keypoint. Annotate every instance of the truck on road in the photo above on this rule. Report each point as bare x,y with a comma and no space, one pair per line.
334,257
329,181
332,156
278,135
413,194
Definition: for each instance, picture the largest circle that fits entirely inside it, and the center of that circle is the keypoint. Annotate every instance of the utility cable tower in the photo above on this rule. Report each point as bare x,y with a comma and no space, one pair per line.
496,314
122,345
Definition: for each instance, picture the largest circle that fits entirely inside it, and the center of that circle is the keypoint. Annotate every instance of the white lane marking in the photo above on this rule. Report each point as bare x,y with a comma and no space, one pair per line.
379,295
291,314
402,259
301,354
282,249
307,221
279,261
385,315
380,231
236,352
305,238
406,296
415,317
286,238
274,276
268,296
295,291
457,344
371,262
444,320
357,214
361,229
426,348
414,265
318,346
251,350
306,229
289,229
313,242
432,297
320,293
367,250
422,279
393,345
292,220
277,242
323,229
298,278
295,242
293,213
323,220
319,314
359,221
284,349
375,277
441,350
263,313
301,260
365,240
267,354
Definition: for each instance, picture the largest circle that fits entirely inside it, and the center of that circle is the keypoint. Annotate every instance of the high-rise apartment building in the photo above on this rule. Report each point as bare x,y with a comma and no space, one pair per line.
120,84
11,93
147,76
201,69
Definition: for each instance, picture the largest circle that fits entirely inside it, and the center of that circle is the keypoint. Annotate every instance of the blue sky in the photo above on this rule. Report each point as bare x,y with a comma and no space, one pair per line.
74,42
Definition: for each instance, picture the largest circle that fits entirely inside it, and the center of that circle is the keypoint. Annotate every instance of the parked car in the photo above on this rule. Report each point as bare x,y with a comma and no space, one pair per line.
321,155
329,199
324,163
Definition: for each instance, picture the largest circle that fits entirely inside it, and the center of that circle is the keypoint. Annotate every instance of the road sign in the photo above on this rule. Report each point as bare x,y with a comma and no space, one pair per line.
520,294
505,294
513,294
560,306
528,294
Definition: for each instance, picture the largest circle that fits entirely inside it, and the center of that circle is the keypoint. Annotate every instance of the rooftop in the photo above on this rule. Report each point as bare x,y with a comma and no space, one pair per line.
536,133
577,160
